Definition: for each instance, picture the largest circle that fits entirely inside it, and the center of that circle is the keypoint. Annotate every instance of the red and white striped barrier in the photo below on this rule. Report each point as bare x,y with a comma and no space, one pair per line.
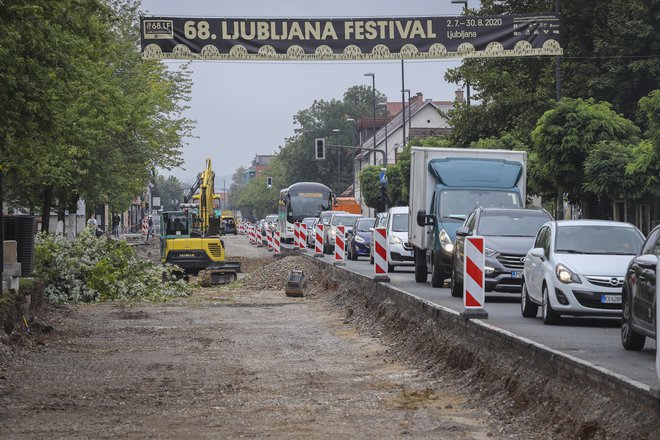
269,239
276,244
248,232
380,254
296,235
340,244
474,278
302,236
318,240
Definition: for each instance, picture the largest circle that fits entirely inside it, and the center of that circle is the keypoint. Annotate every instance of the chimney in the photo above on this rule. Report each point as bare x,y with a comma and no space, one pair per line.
419,97
459,95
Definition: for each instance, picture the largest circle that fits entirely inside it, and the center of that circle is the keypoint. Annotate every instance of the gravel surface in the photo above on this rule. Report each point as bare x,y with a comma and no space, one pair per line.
245,360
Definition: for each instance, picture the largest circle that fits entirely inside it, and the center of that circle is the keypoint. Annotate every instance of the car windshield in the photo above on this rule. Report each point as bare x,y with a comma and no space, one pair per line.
344,220
363,225
309,222
271,218
598,240
511,224
456,204
400,223
382,221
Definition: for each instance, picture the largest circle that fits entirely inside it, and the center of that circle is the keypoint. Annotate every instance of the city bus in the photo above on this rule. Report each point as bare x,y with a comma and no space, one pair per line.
300,200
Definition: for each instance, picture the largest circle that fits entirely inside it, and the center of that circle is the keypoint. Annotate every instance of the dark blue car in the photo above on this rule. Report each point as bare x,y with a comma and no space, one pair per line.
359,242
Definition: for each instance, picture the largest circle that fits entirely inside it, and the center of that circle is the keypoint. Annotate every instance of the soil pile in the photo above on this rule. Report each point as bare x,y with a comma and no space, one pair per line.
273,276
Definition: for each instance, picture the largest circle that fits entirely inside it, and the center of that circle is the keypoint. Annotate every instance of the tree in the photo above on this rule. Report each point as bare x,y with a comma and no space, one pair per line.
564,137
610,49
85,116
646,163
170,191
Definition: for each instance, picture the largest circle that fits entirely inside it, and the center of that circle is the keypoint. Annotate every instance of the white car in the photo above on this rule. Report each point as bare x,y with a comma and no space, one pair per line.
399,251
339,218
577,267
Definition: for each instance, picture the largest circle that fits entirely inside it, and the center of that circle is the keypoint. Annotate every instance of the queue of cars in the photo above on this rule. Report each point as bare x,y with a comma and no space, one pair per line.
562,267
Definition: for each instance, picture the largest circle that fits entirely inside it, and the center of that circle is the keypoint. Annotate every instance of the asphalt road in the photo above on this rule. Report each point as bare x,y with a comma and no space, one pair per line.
595,340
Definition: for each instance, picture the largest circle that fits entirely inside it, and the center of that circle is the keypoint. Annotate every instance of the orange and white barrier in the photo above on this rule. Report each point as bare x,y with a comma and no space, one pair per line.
318,240
380,254
276,244
340,244
474,278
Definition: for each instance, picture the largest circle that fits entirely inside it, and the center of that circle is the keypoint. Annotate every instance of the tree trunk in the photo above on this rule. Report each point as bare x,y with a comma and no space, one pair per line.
45,213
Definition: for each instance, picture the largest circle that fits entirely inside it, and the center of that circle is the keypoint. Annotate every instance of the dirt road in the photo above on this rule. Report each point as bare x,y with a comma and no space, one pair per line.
223,364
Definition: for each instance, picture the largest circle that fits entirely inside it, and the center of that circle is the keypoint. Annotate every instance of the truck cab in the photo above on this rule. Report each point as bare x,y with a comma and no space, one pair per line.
446,184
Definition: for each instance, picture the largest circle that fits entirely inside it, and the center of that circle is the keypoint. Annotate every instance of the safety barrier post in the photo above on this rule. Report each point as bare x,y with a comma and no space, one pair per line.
474,279
269,239
302,236
340,246
380,254
276,245
296,235
318,241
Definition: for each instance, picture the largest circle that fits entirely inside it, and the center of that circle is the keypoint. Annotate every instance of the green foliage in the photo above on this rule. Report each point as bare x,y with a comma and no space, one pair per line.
83,115
506,142
605,172
610,49
646,165
370,188
565,135
170,190
91,269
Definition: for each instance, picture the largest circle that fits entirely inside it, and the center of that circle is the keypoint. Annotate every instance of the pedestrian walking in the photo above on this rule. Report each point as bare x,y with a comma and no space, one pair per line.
150,229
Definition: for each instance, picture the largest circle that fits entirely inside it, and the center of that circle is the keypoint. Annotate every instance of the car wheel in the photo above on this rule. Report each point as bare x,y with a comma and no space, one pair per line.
630,339
421,271
437,279
390,268
371,257
550,317
455,288
354,255
527,308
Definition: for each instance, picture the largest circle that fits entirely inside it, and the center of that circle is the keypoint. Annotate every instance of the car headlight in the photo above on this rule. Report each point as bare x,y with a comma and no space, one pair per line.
565,275
395,240
489,270
489,252
331,232
359,239
445,241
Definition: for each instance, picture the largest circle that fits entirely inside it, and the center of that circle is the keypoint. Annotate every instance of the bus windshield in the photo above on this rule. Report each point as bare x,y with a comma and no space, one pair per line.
307,205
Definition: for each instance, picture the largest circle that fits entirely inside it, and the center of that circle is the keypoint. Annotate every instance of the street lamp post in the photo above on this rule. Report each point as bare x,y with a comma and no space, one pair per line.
404,111
352,157
465,8
336,132
373,87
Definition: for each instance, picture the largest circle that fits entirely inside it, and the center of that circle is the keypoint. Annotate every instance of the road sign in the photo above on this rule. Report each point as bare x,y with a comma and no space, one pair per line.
474,278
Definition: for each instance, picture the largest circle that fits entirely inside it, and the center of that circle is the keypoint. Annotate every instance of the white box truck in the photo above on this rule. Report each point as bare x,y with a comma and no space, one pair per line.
445,185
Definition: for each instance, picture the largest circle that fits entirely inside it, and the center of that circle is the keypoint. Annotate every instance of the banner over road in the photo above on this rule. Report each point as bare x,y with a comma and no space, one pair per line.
351,39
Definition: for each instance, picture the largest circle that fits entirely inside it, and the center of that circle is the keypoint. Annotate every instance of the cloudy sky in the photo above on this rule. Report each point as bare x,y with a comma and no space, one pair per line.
247,108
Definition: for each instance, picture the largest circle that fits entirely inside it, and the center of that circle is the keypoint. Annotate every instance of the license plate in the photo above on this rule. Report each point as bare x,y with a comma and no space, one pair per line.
516,274
610,299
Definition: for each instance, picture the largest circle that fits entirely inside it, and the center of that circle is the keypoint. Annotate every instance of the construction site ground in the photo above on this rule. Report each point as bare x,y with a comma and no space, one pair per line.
238,361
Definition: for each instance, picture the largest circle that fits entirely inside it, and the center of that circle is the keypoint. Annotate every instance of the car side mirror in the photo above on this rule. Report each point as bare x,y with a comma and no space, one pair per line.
371,229
463,231
538,253
423,219
647,260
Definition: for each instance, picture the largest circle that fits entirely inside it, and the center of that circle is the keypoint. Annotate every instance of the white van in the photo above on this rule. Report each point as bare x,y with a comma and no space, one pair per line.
399,251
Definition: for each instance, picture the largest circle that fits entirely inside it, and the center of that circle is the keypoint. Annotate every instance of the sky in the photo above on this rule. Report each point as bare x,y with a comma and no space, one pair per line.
245,108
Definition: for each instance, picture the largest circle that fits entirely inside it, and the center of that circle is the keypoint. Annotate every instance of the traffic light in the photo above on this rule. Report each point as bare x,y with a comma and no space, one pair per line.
319,147
269,182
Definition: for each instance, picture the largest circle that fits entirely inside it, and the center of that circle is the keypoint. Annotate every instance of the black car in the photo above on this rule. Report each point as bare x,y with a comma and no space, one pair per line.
508,234
639,300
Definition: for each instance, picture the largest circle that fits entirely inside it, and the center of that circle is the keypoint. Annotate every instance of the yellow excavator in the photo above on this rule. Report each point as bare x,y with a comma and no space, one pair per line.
190,237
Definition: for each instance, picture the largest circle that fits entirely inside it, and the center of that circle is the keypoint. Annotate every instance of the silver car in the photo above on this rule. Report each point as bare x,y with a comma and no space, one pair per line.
577,267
